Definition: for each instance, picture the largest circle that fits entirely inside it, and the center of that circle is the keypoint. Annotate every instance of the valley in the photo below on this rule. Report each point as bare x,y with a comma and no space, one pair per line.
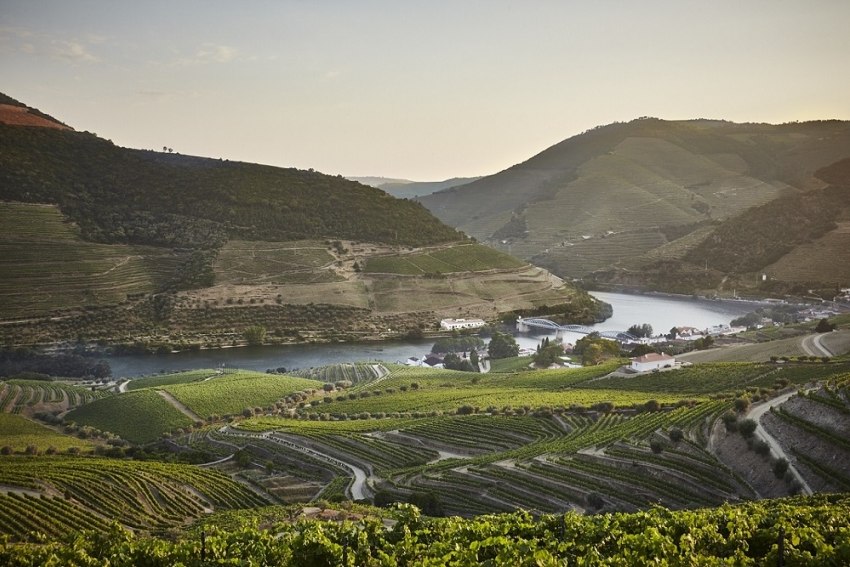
141,253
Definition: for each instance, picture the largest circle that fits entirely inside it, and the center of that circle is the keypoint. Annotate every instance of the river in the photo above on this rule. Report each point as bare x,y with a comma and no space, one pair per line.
661,312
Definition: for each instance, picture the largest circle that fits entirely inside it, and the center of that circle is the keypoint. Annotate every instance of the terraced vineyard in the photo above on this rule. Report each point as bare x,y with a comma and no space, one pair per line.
139,417
462,258
159,380
812,428
252,262
17,396
19,434
232,393
94,492
47,266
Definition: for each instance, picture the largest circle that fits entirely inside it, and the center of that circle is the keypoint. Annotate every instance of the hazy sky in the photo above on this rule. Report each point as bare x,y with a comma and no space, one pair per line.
423,90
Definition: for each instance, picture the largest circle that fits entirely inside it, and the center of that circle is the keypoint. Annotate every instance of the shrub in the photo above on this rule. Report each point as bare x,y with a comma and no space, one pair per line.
747,427
780,466
676,435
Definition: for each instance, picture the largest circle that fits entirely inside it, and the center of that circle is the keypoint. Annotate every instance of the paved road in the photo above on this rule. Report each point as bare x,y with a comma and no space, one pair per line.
813,346
755,413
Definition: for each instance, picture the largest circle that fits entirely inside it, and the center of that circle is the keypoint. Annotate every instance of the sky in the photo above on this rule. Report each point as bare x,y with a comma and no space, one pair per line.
422,90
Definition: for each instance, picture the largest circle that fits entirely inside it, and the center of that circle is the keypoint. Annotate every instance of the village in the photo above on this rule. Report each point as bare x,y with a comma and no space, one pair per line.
647,352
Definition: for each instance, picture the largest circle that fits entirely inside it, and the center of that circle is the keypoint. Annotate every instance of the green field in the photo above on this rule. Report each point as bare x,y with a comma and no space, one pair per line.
18,433
232,393
169,379
459,258
46,265
139,417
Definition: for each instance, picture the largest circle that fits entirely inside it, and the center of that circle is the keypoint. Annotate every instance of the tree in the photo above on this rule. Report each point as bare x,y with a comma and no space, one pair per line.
502,346
255,335
742,404
674,332
641,331
747,427
473,359
824,326
549,354
592,355
676,434
641,350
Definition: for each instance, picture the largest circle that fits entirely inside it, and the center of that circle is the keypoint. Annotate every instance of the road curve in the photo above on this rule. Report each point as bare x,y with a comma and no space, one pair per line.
358,489
812,345
755,413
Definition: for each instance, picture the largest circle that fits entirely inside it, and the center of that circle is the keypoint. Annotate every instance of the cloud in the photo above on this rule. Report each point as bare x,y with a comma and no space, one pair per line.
21,40
71,50
209,53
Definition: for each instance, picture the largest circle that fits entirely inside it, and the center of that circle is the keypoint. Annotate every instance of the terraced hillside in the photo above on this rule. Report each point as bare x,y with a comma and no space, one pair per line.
57,495
47,266
543,440
156,250
812,429
627,191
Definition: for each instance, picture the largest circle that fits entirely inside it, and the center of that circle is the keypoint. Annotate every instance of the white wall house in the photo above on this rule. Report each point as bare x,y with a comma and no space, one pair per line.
452,324
652,361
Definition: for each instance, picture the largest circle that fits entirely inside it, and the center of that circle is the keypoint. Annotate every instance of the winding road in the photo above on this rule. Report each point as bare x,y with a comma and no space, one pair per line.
755,413
813,346
358,490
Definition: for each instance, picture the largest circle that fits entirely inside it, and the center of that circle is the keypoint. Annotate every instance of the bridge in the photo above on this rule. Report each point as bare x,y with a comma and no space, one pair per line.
525,325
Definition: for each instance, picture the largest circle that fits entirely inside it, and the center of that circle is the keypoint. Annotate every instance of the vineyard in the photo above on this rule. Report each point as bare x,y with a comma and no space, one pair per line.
801,531
61,494
27,396
589,440
460,258
19,435
138,417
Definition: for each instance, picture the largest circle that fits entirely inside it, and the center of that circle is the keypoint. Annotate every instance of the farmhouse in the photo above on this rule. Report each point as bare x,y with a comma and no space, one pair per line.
452,324
652,361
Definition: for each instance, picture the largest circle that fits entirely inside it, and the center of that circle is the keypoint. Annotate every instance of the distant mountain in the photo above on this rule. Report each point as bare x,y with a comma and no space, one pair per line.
628,193
406,189
106,243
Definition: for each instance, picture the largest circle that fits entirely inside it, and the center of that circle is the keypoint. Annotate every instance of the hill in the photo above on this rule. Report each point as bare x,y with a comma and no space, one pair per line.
617,194
795,243
107,243
406,189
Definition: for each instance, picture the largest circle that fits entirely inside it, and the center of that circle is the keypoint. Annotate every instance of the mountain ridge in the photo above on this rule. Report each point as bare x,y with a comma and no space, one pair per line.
619,192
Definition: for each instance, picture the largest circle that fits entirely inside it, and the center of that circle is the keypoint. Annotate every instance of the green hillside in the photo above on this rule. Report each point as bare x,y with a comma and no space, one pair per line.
623,191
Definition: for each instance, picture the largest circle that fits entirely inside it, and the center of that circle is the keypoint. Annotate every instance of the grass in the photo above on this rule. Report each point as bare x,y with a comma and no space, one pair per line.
760,352
18,433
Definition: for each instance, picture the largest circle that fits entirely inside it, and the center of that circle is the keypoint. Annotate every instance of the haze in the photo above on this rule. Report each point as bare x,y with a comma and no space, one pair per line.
417,90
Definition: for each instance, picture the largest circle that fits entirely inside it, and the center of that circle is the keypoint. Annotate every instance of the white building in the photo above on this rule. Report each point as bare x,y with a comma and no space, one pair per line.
452,324
652,361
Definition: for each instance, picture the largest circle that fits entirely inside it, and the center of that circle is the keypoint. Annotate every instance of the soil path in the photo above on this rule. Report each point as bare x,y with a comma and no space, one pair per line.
179,405
755,413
